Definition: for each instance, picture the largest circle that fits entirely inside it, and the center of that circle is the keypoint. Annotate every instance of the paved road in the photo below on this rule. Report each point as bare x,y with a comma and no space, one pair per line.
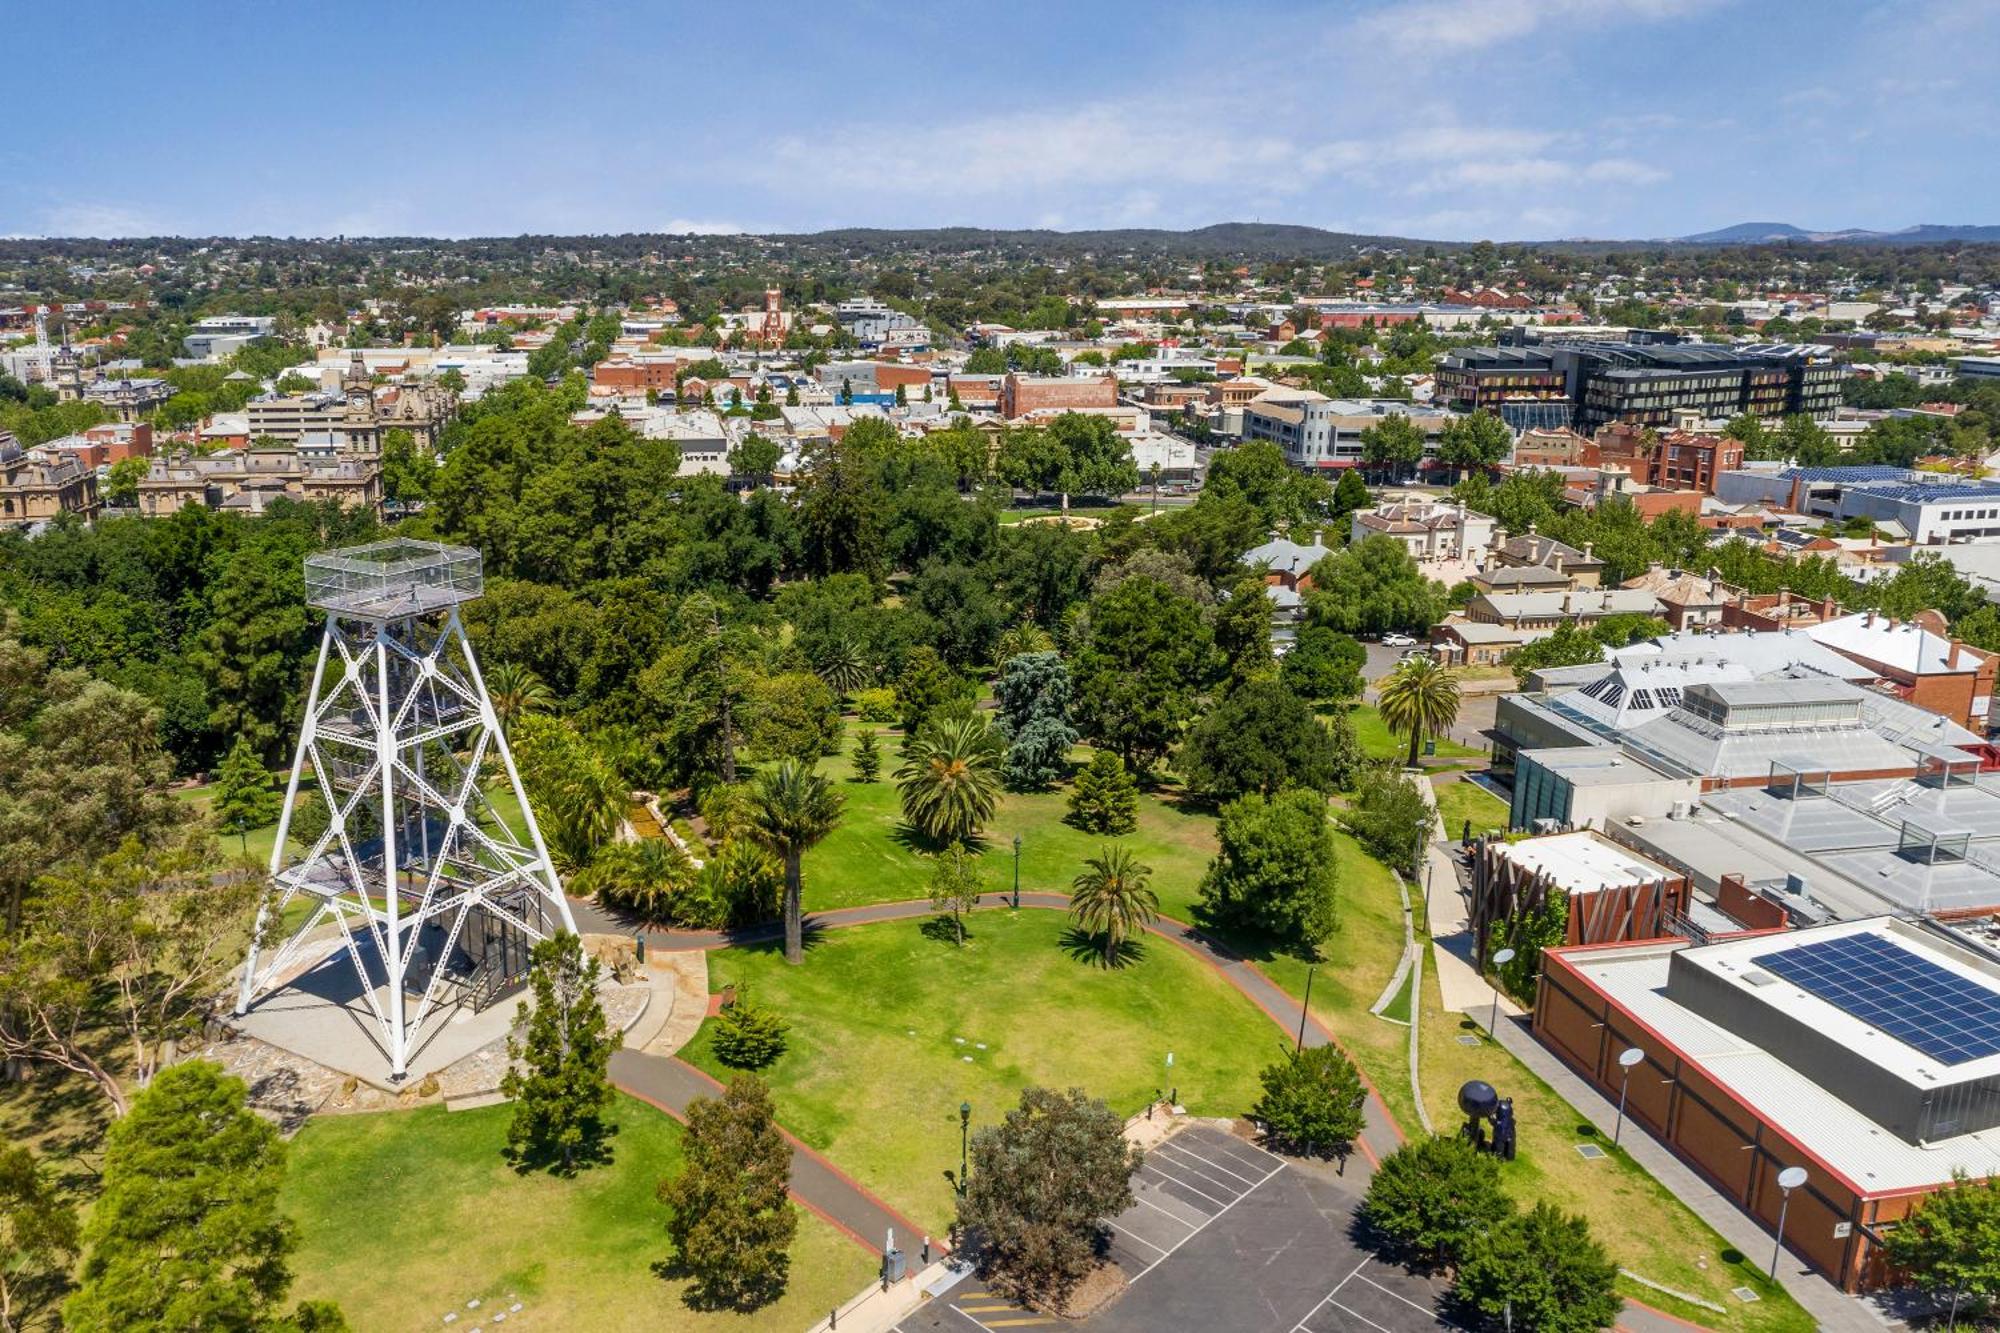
1379,1137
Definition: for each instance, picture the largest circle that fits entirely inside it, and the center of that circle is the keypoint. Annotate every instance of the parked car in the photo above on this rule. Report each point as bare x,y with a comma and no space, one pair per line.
1398,641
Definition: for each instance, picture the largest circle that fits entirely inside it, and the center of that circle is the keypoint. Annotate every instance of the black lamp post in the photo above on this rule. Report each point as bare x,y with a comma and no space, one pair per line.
964,1129
1017,872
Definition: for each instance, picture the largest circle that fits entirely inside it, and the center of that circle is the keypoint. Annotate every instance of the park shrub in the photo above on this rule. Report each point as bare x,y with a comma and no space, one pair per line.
747,1035
1312,1101
877,706
1430,1197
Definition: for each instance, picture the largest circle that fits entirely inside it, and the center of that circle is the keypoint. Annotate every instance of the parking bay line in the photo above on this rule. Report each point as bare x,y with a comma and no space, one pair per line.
1204,1226
1192,1189
1212,1164
1207,1169
1327,1299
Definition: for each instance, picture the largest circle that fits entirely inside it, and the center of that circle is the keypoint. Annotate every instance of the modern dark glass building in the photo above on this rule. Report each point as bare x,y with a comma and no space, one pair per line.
1644,383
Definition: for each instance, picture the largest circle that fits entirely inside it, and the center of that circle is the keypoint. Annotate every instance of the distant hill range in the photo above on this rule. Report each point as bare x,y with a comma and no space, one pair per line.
1773,233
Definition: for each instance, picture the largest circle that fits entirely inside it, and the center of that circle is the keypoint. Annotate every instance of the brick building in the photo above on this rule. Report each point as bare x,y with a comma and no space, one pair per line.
1021,394
1932,670
1835,1049
1679,460
36,487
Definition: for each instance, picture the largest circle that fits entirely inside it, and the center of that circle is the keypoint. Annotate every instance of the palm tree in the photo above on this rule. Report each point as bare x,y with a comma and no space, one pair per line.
1420,697
950,784
791,809
843,667
516,691
1023,638
1113,898
643,877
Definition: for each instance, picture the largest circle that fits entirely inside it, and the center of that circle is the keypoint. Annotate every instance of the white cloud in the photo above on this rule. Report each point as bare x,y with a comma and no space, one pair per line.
1450,28
1624,171
700,227
99,219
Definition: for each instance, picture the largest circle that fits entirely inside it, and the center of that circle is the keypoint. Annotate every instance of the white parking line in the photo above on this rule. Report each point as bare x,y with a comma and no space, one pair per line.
1327,1299
1133,1235
1192,1189
1204,1226
1189,1152
1362,1317
1211,1177
1175,1217
1407,1301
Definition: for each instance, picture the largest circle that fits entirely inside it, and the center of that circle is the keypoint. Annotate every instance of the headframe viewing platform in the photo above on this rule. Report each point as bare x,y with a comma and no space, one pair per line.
392,580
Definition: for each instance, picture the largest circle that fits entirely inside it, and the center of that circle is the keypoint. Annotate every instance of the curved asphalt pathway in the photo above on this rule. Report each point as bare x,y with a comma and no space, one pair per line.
1379,1136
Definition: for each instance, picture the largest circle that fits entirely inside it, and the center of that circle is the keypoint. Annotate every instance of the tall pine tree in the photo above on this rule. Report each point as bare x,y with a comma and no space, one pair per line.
558,1075
187,1233
244,798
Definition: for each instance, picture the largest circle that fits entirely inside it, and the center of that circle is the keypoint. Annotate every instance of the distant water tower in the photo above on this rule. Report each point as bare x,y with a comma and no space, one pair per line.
434,889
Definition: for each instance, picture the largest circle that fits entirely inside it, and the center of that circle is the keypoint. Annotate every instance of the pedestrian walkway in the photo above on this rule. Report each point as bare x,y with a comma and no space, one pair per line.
816,1183
1461,987
1831,1307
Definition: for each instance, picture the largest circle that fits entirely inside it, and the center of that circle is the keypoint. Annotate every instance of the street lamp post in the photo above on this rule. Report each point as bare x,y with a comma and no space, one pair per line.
1017,872
1628,1059
964,1131
1500,960
1305,1008
1789,1179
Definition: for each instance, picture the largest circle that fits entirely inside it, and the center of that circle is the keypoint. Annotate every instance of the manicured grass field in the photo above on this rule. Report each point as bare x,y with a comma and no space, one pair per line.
892,1026
1459,801
869,860
406,1215
1378,742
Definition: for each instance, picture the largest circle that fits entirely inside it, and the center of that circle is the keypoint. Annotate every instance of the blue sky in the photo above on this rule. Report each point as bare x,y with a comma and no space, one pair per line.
1453,119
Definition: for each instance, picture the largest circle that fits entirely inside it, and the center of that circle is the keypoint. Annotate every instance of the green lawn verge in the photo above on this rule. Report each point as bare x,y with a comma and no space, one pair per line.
893,1026
1378,742
405,1216
1460,801
1641,1223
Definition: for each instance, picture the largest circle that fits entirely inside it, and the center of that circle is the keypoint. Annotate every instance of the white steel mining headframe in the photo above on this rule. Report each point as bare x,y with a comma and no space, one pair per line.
433,891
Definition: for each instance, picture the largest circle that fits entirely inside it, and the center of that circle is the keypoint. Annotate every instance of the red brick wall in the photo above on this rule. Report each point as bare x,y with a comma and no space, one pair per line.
1705,1124
1022,394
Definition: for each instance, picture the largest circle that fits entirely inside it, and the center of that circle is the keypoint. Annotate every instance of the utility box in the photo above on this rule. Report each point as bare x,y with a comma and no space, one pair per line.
892,1265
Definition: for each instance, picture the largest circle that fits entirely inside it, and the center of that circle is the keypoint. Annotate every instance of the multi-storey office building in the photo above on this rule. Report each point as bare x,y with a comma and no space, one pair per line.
1644,383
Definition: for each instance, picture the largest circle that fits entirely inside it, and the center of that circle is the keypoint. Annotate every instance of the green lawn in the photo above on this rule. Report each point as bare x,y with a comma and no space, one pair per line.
257,842
406,1215
1378,742
866,860
892,1026
1459,801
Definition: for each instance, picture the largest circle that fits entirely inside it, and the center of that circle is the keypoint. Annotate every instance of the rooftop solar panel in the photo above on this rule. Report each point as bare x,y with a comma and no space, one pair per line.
1948,1017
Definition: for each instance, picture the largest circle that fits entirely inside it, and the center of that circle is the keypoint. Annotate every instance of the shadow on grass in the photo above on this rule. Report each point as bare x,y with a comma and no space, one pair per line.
726,1292
1087,948
943,930
913,839
594,1150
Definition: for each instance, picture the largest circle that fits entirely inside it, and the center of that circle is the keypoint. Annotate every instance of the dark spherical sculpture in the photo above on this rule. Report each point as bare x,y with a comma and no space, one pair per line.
1478,1100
